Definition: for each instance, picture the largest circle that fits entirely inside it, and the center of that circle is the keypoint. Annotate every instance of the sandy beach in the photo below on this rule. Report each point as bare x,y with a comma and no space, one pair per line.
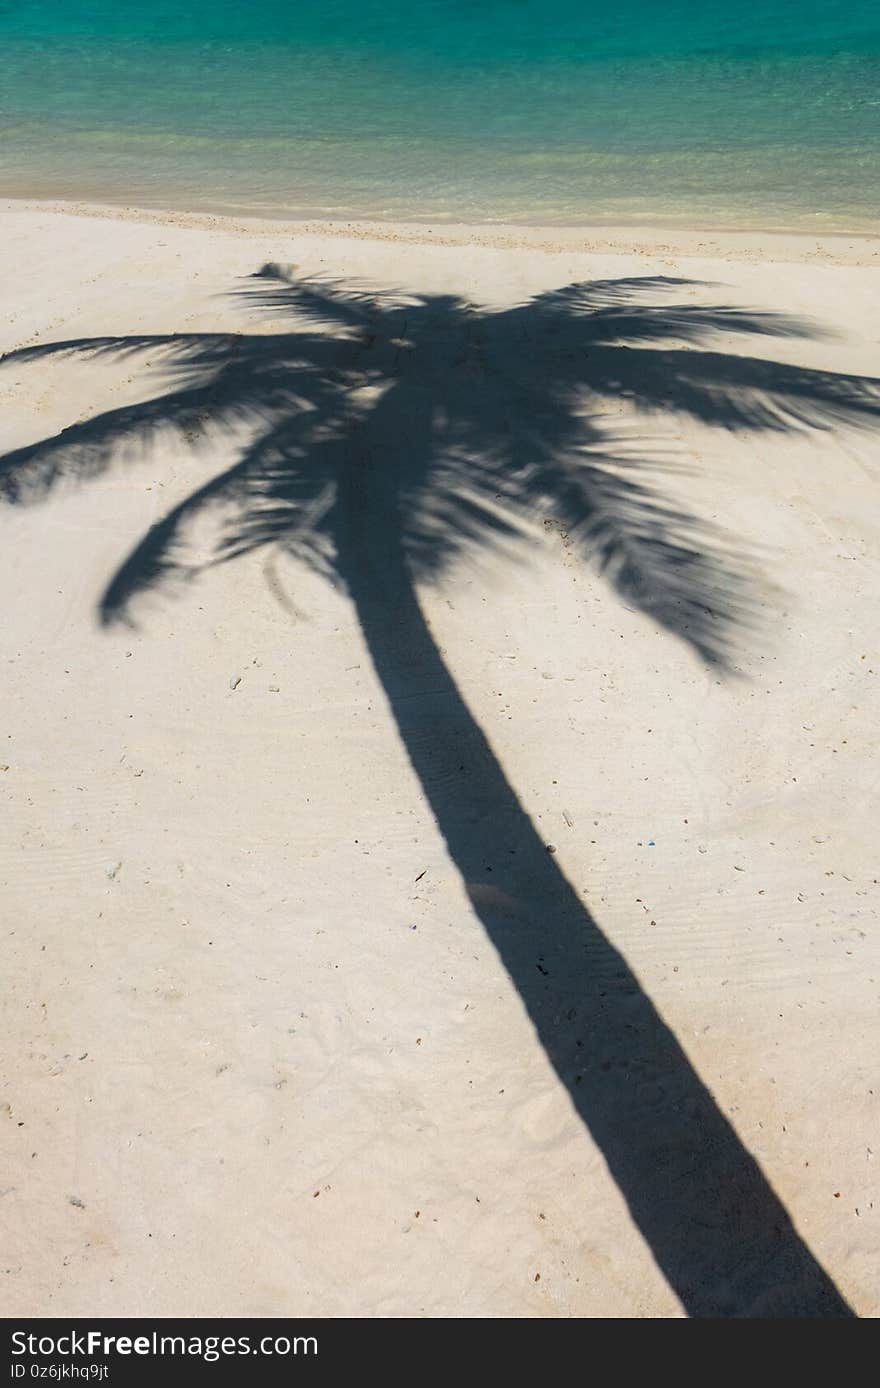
294,1022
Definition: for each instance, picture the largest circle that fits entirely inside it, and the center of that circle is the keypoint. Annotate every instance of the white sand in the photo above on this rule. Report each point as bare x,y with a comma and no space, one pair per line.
235,1080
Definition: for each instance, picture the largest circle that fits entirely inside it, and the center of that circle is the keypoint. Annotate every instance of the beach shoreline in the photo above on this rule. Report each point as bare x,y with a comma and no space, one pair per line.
801,246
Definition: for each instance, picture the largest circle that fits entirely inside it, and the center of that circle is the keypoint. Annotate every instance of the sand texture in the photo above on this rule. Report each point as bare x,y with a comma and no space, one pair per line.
438,761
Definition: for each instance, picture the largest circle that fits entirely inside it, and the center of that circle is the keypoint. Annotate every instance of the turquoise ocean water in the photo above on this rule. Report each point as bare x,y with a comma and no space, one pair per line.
732,113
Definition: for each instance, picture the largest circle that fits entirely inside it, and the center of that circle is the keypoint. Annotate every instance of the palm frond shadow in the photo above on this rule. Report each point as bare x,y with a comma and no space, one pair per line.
383,437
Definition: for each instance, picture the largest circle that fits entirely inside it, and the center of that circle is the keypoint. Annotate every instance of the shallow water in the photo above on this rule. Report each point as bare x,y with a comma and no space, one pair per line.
760,113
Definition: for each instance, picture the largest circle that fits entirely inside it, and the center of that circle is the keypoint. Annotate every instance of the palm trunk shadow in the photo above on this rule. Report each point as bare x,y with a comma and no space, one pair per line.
722,1238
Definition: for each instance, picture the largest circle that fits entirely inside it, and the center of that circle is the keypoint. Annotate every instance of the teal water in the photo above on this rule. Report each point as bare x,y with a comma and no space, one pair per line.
736,113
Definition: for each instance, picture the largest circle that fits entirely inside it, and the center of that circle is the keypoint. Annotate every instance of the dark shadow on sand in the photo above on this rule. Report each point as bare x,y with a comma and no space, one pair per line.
382,437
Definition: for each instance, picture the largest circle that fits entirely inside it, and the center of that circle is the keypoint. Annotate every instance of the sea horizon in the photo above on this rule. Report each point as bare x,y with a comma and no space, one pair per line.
759,116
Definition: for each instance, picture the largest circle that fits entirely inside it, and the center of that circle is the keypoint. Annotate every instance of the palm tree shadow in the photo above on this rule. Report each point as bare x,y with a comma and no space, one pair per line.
382,438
